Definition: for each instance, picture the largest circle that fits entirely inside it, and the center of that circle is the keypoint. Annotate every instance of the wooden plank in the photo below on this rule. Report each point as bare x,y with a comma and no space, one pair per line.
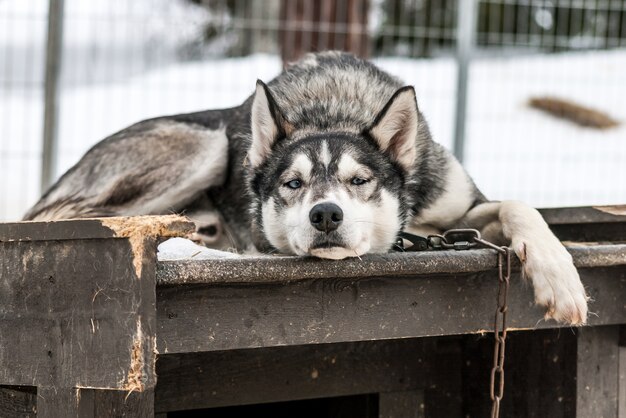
584,215
57,230
115,403
77,313
445,397
598,232
89,403
597,375
65,303
55,402
18,402
114,227
240,377
358,406
540,374
221,317
408,404
78,290
592,224
622,382
269,269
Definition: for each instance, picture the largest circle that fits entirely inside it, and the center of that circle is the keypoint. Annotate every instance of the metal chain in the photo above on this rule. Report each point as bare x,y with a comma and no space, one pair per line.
463,239
499,332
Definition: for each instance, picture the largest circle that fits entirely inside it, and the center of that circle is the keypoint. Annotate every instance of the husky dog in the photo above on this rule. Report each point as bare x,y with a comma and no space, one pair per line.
332,159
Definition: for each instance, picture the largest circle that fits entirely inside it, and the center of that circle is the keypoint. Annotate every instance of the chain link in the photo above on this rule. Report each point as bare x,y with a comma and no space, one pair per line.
463,239
499,332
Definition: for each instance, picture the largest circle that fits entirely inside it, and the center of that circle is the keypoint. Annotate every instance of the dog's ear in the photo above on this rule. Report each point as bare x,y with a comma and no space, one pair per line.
395,127
268,125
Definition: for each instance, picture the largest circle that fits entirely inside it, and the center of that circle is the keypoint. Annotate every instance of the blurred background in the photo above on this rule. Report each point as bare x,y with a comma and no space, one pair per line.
531,95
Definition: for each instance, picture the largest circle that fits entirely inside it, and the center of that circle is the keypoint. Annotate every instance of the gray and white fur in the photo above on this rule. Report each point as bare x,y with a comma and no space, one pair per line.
332,159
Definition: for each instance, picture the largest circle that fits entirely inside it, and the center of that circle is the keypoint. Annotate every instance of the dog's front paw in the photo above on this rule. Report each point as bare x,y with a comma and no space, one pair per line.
555,279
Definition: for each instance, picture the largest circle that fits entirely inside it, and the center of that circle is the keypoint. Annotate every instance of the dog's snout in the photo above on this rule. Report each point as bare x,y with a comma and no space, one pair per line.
326,217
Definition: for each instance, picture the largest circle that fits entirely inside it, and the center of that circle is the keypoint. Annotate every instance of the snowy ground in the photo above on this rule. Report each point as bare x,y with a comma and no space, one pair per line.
512,151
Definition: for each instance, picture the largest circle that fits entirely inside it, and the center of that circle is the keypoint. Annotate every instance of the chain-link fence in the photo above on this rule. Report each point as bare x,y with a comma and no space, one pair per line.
476,66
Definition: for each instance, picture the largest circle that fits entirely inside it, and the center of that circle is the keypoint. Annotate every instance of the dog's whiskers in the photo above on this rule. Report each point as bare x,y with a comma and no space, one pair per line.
371,223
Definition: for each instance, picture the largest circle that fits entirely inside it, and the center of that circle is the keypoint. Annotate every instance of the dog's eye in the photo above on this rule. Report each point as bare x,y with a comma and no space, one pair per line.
294,184
357,181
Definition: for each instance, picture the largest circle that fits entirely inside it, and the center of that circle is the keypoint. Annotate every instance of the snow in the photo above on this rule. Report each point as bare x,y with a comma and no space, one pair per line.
512,151
81,15
103,40
519,153
182,248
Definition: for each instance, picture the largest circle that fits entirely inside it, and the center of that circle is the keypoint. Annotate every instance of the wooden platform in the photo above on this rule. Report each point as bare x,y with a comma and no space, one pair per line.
91,325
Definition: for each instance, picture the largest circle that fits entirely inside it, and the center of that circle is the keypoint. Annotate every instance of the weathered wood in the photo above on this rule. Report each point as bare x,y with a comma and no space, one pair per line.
240,377
17,402
538,382
92,403
72,296
115,403
64,304
622,382
77,311
598,223
211,317
115,227
584,215
358,406
600,232
445,397
268,269
408,404
55,402
597,375
540,374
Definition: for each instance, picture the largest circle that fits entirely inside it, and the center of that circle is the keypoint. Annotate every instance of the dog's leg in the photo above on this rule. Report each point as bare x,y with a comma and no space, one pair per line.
211,229
545,261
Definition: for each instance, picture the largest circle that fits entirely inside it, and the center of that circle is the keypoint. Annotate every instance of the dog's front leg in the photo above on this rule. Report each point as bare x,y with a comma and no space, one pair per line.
545,260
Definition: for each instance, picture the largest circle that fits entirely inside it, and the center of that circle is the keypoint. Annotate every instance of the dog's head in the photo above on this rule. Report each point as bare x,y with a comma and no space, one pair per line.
331,194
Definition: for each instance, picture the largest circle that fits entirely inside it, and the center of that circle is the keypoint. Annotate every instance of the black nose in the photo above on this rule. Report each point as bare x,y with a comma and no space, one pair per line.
326,217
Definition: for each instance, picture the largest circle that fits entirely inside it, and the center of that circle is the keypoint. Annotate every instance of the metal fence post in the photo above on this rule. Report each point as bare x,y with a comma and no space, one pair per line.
51,95
466,28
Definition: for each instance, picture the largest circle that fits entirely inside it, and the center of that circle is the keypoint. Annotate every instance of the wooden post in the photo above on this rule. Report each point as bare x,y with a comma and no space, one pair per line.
18,402
78,313
622,373
597,373
409,404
